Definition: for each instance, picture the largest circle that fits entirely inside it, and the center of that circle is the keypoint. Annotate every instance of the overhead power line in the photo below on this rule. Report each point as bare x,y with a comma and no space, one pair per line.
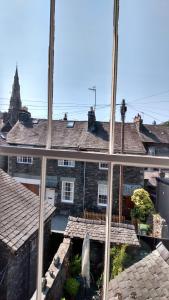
144,113
150,96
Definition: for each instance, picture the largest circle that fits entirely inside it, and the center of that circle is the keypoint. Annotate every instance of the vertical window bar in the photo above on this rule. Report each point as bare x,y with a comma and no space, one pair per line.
111,150
48,146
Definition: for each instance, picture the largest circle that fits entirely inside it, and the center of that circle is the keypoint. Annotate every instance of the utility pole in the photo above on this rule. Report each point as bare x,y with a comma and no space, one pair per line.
94,90
123,110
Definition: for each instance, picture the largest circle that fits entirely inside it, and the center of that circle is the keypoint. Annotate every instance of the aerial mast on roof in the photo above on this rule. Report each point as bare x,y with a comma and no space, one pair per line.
94,90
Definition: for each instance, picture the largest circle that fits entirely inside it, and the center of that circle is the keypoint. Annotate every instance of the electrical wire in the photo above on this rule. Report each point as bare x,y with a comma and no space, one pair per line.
151,96
154,118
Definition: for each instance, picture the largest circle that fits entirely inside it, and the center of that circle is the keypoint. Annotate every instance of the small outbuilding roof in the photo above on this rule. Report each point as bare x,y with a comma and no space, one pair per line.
19,212
146,279
120,233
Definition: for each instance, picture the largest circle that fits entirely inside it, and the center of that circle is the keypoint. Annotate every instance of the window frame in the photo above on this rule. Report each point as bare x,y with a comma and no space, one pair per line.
63,200
100,186
20,160
71,163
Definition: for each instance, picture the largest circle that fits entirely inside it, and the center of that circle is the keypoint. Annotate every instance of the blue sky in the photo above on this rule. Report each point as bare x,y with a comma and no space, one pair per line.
83,47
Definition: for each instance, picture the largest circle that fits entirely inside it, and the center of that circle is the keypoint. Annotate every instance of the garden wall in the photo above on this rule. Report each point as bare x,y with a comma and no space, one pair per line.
57,273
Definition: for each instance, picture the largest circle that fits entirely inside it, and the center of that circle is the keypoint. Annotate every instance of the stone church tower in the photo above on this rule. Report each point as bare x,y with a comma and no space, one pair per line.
15,101
15,106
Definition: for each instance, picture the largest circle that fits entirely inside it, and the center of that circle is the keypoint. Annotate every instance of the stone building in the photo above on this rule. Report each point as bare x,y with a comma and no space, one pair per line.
19,221
74,186
77,186
9,119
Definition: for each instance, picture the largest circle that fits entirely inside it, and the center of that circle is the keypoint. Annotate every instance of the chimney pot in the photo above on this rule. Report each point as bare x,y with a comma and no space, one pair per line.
138,122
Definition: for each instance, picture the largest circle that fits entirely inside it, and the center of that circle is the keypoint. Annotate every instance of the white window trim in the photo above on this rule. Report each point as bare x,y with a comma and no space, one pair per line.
20,160
27,180
99,187
71,163
103,168
62,193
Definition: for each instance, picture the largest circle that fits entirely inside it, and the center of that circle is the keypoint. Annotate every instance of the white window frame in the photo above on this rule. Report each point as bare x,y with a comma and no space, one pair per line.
66,163
27,160
101,189
63,198
101,165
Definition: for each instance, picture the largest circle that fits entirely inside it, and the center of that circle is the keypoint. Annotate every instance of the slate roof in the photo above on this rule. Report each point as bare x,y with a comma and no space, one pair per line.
2,139
154,133
146,279
77,137
19,212
120,233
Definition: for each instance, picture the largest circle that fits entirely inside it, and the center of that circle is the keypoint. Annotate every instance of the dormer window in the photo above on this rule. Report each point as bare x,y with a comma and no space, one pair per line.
66,163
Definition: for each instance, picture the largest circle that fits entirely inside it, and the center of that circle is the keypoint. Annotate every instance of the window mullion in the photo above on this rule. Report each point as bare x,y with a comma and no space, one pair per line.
111,150
48,146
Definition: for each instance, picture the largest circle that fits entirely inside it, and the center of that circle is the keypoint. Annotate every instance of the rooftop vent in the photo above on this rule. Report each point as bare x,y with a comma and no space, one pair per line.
70,124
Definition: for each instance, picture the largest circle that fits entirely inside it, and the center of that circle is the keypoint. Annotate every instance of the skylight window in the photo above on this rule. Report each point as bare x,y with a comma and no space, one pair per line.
70,124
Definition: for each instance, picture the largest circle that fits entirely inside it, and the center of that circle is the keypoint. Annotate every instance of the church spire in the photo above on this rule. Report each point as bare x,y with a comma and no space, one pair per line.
15,100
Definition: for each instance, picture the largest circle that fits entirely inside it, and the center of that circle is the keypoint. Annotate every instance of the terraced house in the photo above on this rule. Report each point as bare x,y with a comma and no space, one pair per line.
74,186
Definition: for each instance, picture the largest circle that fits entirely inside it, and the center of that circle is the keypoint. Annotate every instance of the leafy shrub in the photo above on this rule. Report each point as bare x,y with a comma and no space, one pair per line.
75,265
72,286
118,256
143,205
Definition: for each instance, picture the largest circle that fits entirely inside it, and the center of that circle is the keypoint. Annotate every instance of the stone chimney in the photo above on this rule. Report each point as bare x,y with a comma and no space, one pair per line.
65,117
138,122
91,120
24,115
5,117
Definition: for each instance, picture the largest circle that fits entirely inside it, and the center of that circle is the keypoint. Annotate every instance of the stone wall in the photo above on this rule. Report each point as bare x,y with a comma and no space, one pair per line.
160,228
57,273
19,282
4,256
86,177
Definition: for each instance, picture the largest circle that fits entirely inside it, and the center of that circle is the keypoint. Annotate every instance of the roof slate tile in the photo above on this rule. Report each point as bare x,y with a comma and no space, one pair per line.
19,212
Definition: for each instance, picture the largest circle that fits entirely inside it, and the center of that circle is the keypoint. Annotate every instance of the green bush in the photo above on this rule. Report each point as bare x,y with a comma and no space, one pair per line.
118,257
72,286
143,205
75,265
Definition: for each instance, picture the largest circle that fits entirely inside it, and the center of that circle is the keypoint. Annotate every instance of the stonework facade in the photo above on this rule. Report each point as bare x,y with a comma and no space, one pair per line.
86,177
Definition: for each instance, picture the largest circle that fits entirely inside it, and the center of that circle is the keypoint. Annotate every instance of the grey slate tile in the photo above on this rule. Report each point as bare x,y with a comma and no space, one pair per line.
19,212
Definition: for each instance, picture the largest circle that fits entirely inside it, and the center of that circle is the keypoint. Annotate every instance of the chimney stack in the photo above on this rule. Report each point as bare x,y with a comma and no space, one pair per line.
65,117
138,122
24,115
91,120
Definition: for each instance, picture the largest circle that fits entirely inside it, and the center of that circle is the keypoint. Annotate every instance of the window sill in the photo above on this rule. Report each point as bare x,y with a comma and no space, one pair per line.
67,201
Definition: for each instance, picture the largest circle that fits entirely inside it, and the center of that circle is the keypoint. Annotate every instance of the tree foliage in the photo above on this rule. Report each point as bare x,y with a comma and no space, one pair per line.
72,286
118,257
143,204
